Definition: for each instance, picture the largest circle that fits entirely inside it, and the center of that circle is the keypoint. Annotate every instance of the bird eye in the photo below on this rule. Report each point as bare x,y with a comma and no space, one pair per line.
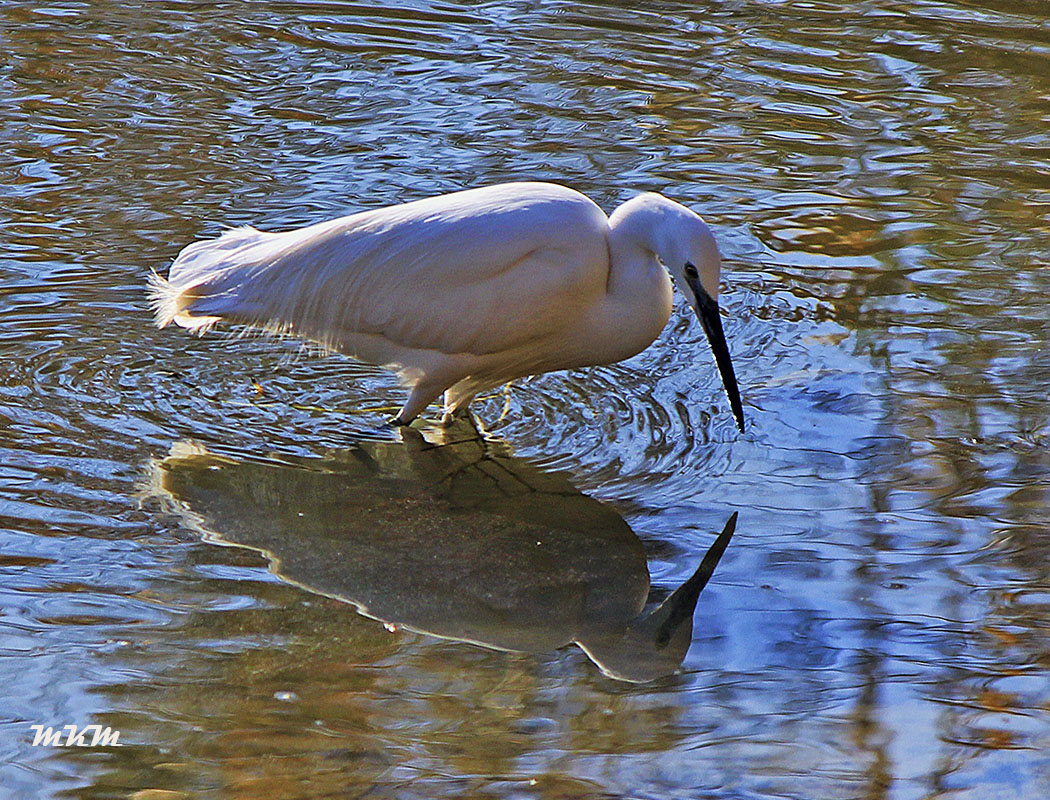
690,272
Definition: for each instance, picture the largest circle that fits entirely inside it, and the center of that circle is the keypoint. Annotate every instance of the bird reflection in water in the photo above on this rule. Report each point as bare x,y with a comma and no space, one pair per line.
457,539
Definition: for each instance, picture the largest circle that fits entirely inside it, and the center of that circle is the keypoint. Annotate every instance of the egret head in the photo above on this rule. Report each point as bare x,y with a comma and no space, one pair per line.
691,256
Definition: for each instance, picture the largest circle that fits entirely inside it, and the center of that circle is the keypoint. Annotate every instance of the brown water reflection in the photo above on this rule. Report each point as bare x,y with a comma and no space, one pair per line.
878,175
446,533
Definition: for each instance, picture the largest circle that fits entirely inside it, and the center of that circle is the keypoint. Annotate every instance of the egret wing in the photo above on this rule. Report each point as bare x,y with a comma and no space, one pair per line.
479,271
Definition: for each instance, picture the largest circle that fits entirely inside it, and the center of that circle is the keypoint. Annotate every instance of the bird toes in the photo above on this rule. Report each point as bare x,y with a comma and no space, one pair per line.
450,417
463,417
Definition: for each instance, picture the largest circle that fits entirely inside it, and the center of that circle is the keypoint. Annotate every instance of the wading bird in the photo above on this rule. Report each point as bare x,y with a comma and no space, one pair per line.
465,291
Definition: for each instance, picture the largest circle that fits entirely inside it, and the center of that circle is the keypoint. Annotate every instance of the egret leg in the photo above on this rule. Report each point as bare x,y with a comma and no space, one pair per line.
450,416
457,406
421,396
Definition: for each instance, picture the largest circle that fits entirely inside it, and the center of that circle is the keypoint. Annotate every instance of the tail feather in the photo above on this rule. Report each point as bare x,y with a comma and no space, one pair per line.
171,297
169,303
163,299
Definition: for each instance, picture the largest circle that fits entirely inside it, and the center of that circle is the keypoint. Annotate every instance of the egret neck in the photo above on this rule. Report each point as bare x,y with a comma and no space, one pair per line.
650,237
638,298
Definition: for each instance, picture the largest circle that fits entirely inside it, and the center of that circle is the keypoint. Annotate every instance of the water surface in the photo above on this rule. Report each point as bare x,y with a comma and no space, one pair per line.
877,174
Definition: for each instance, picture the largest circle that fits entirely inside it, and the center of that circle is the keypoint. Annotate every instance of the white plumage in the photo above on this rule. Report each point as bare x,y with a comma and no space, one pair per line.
465,291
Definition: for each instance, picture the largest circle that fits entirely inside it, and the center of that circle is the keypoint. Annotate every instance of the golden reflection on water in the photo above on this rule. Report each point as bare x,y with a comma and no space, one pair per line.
877,176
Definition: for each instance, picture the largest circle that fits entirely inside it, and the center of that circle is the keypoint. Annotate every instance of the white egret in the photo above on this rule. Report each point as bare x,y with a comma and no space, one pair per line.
465,291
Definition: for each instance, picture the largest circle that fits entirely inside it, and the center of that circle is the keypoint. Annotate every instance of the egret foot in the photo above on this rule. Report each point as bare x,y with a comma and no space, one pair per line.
452,419
448,419
411,437
384,430
391,427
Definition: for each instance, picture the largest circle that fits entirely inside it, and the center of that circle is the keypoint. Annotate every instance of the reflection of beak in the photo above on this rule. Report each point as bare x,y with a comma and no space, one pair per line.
682,602
655,644
707,310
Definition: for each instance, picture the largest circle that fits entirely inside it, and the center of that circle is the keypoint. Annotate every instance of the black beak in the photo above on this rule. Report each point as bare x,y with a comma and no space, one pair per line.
707,310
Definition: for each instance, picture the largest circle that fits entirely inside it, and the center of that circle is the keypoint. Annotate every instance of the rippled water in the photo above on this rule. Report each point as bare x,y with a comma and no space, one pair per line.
878,174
